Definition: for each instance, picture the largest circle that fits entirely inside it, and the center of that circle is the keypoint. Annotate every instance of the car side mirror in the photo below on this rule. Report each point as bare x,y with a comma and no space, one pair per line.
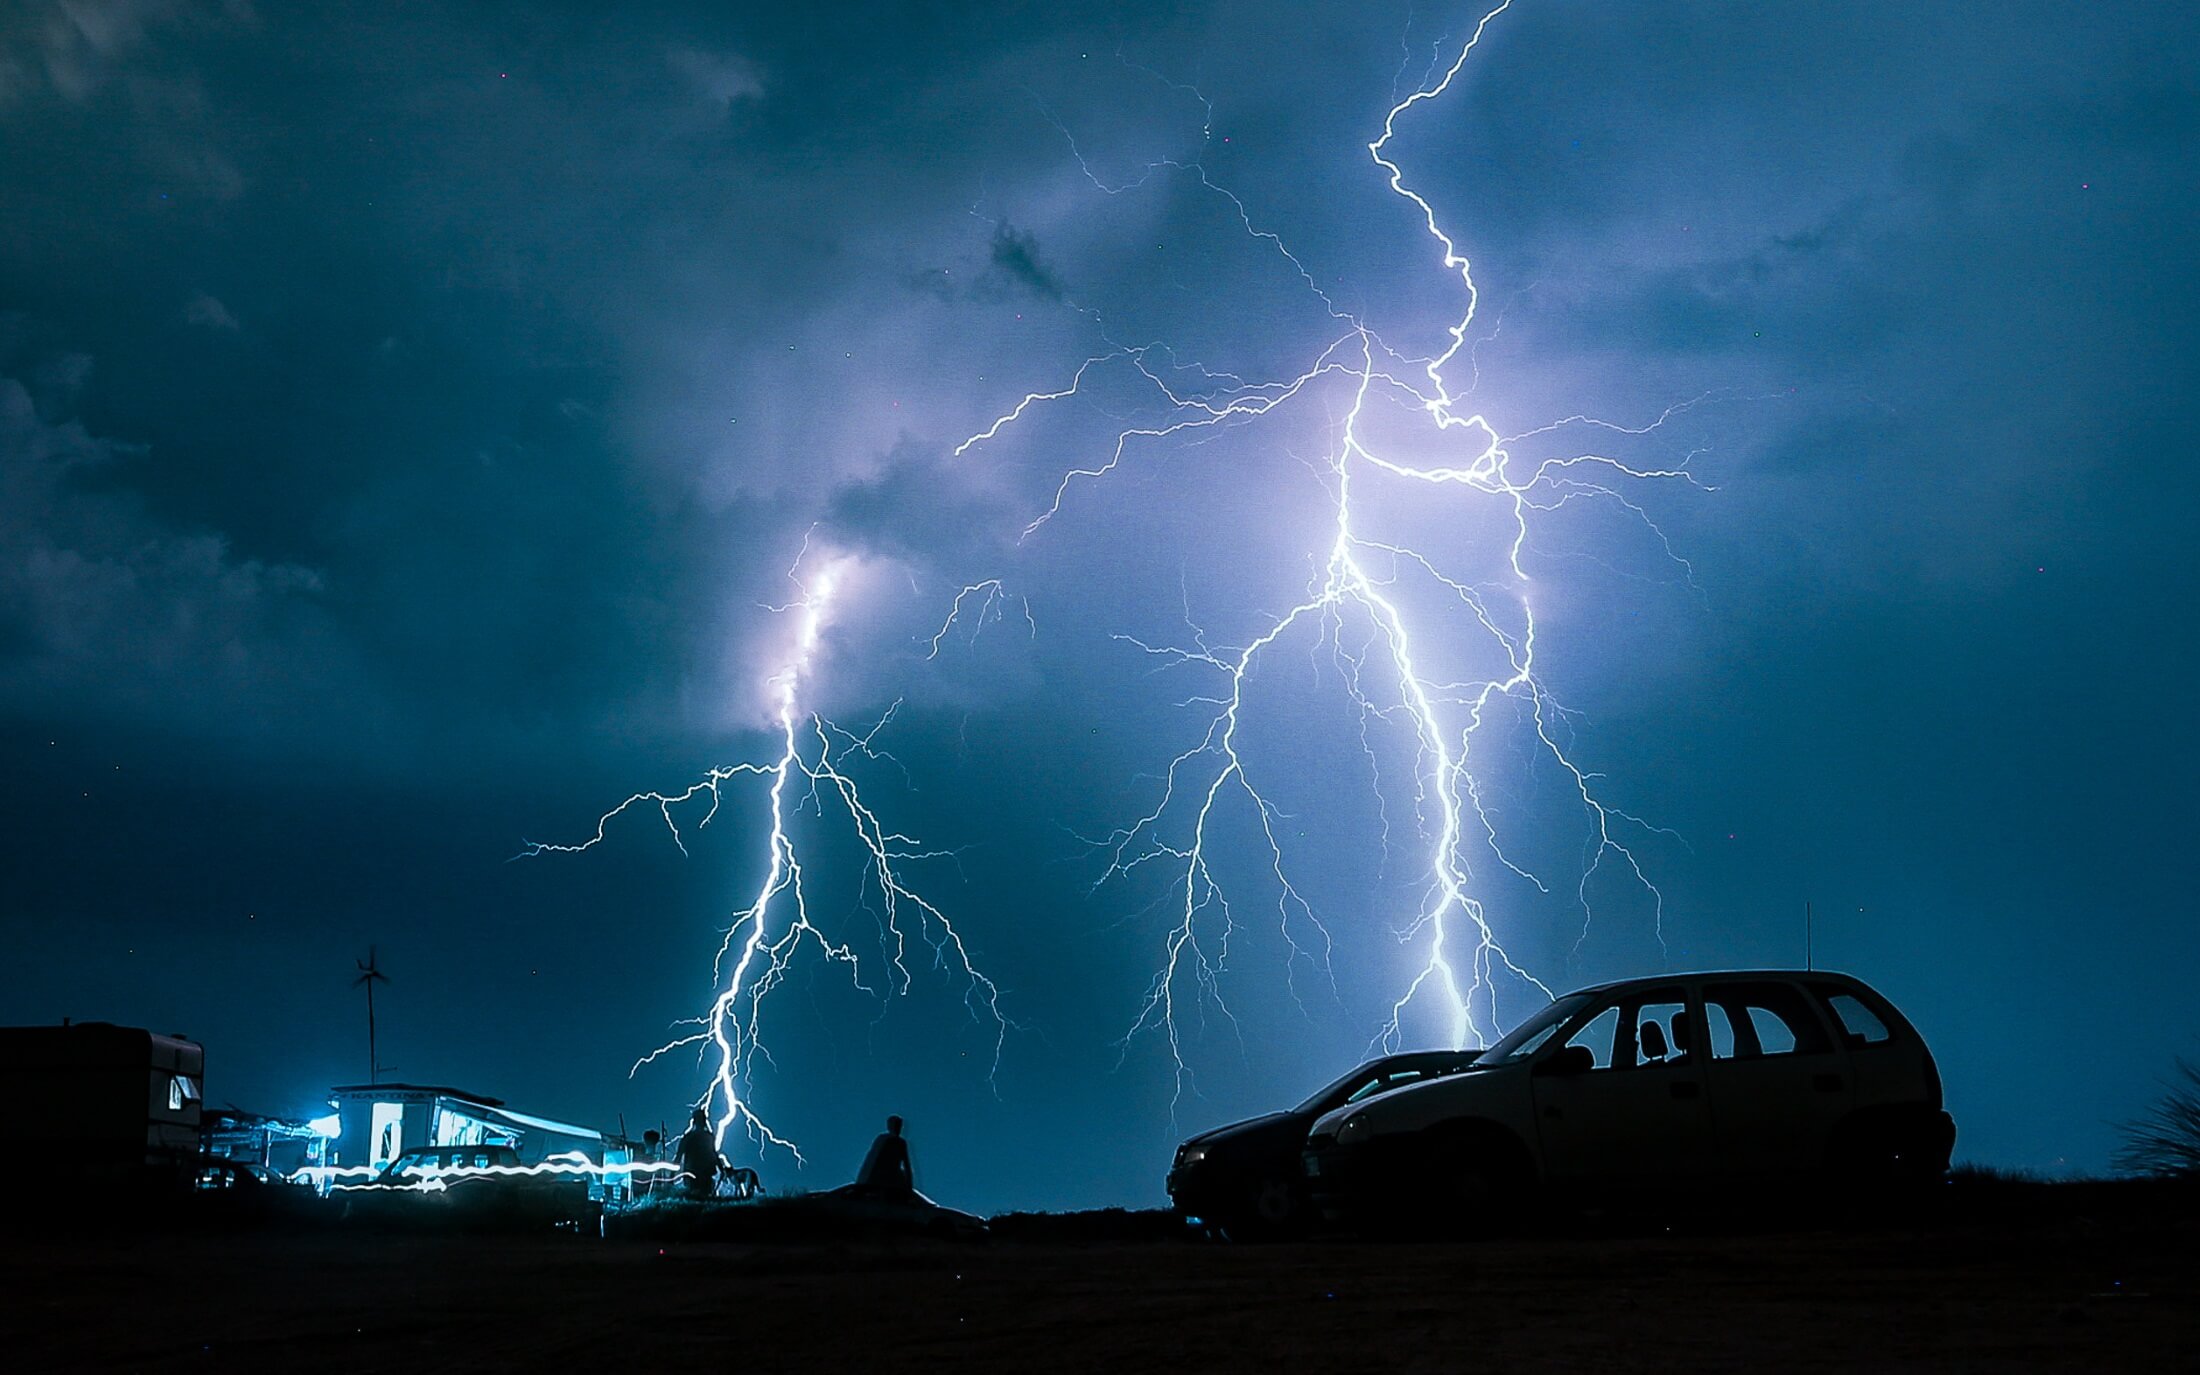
1568,1062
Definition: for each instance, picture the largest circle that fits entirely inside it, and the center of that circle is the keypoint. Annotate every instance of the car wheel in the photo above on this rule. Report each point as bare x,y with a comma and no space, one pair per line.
1271,1211
1476,1189
1467,1197
1276,1203
1891,1163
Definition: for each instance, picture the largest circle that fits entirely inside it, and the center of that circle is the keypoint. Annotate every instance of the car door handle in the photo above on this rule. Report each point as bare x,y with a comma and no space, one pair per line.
1686,1088
1827,1083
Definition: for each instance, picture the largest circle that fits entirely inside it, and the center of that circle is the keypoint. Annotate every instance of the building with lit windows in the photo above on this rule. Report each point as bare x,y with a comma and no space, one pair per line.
376,1123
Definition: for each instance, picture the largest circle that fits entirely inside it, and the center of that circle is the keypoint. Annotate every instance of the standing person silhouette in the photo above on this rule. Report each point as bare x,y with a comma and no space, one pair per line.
886,1170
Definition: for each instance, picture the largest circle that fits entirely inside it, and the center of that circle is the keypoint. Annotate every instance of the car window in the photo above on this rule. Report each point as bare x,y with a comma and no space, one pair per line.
1376,1084
1664,1009
1619,1036
1774,1035
1384,1083
1766,1019
1721,1028
1527,1038
1860,1026
1598,1035
1528,1045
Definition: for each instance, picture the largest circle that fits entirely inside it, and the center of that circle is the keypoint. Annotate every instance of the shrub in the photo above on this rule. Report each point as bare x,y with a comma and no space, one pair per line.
2164,1142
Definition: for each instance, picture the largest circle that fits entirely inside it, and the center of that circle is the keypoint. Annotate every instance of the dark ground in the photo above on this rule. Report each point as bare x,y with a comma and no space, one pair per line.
2016,1279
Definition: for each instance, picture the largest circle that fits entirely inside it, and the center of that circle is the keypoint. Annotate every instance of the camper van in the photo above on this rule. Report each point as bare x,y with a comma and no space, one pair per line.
91,1103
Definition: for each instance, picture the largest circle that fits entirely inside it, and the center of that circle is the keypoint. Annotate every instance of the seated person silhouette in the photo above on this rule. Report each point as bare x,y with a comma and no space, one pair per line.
886,1173
698,1156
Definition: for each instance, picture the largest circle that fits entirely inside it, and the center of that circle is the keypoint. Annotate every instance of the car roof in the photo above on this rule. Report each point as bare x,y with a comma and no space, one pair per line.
1695,975
1421,1057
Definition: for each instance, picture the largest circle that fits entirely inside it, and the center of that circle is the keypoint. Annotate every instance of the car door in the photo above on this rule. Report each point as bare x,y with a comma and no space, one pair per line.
1623,1118
1779,1082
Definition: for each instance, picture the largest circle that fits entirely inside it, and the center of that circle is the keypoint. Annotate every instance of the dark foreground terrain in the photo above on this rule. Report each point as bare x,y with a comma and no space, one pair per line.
2011,1279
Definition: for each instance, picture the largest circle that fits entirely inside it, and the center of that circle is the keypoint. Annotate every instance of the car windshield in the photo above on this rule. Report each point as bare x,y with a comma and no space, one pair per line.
1527,1038
1335,1088
1381,1076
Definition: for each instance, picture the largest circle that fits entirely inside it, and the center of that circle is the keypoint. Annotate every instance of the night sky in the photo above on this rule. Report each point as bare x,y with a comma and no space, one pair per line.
409,415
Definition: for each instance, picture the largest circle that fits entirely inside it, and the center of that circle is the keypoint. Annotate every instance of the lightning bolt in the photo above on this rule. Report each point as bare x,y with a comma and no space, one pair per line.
764,938
989,602
1355,608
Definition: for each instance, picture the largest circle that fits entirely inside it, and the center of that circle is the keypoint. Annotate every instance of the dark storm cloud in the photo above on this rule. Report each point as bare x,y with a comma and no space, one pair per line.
1013,267
105,609
1017,254
718,79
412,415
205,310
73,47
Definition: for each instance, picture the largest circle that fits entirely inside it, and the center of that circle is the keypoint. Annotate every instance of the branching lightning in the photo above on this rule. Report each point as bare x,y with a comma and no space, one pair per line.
1354,607
764,938
988,602
1364,605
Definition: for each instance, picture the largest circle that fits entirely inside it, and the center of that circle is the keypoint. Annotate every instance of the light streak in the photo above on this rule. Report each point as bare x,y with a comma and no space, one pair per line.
764,938
431,1178
1356,589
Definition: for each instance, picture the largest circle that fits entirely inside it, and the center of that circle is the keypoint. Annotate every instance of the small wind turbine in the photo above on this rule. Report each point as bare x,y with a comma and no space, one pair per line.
370,976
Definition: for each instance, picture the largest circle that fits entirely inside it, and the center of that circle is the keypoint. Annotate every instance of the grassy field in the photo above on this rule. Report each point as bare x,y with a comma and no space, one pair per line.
2006,1275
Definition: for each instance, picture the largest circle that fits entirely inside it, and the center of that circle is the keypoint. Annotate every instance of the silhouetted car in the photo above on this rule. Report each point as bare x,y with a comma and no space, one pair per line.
216,1175
1244,1178
472,1186
239,1193
1629,1090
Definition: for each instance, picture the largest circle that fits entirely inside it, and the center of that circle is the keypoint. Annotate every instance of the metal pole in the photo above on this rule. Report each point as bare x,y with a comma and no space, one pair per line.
370,974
